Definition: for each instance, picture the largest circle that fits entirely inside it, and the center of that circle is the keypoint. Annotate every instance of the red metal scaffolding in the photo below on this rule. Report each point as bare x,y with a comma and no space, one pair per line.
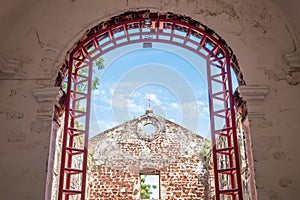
146,27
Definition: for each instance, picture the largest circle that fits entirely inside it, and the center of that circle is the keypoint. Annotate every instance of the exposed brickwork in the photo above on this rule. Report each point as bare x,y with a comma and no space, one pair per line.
179,181
122,153
107,183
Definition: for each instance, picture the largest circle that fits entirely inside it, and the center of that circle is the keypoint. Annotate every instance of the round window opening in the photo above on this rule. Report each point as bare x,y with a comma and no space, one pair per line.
149,129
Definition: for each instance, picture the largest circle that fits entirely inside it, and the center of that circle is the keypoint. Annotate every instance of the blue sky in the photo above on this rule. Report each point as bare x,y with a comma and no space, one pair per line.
173,78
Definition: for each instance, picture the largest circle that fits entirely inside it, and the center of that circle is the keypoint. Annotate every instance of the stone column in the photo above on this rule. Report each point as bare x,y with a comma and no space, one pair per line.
46,98
254,96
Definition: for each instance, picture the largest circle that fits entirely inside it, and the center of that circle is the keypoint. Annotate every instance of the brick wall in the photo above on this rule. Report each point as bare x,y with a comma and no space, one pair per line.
121,154
179,181
108,183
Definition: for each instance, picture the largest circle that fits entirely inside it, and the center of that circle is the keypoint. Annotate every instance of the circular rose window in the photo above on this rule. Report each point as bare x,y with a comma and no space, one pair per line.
149,129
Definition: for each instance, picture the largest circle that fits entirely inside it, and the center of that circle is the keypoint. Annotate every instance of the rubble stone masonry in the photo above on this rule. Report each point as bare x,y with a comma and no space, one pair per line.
122,153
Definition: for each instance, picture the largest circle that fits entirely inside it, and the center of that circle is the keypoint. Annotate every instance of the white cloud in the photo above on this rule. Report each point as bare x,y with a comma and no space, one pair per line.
103,92
105,125
136,95
133,107
195,108
100,107
206,110
193,104
176,106
111,91
153,98
104,99
191,108
200,103
101,95
96,92
120,100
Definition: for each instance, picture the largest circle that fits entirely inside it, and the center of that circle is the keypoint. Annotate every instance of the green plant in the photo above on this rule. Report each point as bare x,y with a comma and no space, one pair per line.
99,65
145,189
204,153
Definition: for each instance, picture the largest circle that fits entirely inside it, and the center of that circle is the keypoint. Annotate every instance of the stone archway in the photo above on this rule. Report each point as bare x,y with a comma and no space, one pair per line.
145,26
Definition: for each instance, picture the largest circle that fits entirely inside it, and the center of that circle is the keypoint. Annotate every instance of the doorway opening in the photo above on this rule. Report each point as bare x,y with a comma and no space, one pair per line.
148,28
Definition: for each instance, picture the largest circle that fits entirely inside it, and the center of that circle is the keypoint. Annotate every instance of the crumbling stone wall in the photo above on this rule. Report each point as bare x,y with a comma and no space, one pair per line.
121,154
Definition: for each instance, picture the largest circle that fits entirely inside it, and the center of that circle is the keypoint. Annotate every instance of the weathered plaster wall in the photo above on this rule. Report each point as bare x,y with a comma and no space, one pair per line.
39,36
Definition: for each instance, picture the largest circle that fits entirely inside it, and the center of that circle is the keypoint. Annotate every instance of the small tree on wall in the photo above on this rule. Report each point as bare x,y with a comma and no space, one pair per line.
204,154
205,178
95,82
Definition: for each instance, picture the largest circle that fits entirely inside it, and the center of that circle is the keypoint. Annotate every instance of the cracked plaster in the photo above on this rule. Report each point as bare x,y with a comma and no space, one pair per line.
40,37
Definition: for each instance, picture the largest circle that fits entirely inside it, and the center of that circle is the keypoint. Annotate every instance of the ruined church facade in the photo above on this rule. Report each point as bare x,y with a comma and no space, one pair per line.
122,154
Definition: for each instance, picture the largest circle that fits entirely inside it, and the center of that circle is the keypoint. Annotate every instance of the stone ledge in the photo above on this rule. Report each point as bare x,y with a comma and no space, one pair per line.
45,98
8,67
253,92
46,94
254,95
293,60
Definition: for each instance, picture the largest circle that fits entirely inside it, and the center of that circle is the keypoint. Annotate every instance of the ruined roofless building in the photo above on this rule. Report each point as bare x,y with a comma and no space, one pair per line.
147,145
37,37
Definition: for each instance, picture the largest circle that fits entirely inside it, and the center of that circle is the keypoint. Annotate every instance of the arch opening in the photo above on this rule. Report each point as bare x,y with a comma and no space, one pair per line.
148,28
